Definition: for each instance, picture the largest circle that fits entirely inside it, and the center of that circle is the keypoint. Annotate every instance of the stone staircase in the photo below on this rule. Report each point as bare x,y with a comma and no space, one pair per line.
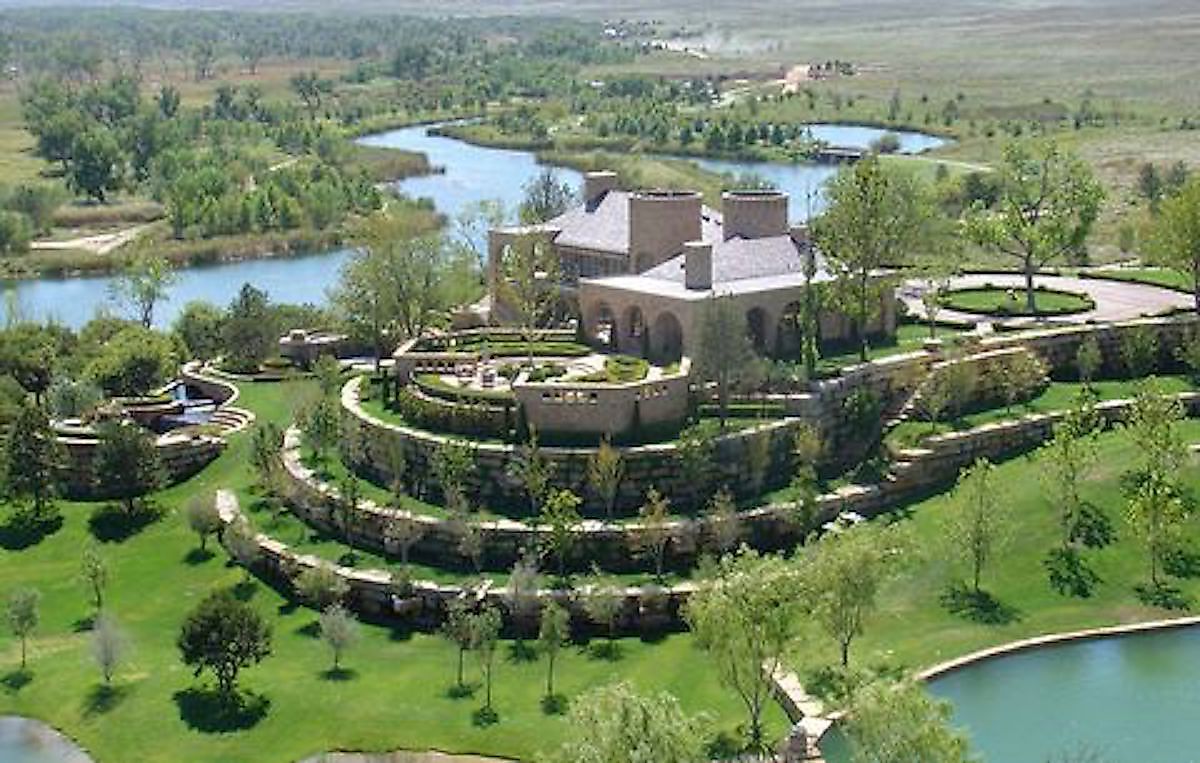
231,419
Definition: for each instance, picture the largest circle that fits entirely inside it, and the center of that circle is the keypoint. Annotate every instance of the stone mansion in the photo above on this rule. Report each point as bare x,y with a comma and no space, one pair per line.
638,266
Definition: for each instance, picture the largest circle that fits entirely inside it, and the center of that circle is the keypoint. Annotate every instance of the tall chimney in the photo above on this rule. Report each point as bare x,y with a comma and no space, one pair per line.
596,184
660,223
754,214
698,265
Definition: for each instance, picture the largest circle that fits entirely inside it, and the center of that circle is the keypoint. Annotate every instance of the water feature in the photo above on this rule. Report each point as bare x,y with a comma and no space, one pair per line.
1125,698
471,174
27,741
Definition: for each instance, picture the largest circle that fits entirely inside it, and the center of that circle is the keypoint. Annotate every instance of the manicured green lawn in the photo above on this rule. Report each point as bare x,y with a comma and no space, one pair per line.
909,338
1058,396
912,630
993,301
396,698
1170,279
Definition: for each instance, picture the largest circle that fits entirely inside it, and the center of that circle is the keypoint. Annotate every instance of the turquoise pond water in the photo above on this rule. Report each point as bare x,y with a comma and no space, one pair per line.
25,741
1126,699
471,174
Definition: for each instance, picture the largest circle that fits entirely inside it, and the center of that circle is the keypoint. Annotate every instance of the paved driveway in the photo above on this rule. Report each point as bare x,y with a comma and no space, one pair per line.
1115,300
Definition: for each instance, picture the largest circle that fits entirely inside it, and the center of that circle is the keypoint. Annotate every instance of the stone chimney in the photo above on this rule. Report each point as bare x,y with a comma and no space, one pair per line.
754,214
660,223
596,184
698,265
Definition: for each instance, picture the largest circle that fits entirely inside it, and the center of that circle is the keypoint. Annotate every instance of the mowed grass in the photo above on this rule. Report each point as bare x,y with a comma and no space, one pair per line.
1058,396
913,630
992,301
1166,278
396,696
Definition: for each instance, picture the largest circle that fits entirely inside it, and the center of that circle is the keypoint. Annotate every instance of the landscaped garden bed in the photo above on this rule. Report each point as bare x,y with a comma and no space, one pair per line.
1005,302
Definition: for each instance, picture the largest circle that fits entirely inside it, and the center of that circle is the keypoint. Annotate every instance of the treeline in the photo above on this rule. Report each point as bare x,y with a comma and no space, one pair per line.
210,167
81,44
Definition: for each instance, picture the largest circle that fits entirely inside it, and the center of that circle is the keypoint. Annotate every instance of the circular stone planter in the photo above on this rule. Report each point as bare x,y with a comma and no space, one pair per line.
1010,302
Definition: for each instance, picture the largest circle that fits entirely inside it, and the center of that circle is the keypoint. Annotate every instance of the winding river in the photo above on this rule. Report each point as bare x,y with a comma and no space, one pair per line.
472,174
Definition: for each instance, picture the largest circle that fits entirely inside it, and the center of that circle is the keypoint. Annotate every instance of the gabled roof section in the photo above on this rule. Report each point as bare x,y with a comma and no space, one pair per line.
603,225
741,259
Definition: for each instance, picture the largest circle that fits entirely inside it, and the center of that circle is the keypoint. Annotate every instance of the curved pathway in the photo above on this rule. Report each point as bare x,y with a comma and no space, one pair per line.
1115,300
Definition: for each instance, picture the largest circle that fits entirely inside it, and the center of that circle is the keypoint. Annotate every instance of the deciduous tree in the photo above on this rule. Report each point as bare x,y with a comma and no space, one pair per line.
746,618
1048,202
877,218
224,635
901,723
724,354
615,723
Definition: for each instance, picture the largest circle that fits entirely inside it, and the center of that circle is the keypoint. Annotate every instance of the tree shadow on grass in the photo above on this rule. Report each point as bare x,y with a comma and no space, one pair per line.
339,674
608,651
210,711
198,556
244,590
461,691
1162,596
112,523
1182,563
22,531
15,680
311,629
484,717
102,698
521,651
978,606
554,704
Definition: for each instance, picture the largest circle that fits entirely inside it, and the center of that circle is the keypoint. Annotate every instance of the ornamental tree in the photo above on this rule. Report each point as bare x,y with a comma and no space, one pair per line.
901,723
746,618
1048,202
224,635
724,354
1174,239
877,218
615,723
126,465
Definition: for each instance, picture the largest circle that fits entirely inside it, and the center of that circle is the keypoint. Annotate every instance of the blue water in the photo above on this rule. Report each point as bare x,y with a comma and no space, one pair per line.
472,174
1127,699
25,741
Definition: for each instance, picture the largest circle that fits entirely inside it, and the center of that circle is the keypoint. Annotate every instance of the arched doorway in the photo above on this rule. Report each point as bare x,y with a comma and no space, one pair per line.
635,339
756,329
604,326
790,332
666,339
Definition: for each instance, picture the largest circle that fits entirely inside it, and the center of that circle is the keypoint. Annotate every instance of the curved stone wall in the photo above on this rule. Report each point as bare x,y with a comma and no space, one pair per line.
644,610
368,442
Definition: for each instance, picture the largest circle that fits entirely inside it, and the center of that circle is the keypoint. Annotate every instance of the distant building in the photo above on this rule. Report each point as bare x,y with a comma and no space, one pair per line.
639,265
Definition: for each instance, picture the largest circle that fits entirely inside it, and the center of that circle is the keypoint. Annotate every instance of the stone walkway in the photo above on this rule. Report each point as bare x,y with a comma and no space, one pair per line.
1115,300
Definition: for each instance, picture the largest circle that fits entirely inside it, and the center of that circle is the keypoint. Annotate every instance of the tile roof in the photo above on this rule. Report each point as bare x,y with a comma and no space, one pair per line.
741,259
603,225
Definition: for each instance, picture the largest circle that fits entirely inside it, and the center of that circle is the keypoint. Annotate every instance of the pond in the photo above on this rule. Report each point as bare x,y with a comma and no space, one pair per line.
27,741
471,174
1124,699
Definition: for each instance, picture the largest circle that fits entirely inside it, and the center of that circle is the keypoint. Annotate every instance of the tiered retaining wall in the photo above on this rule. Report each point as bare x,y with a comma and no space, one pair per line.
182,456
368,443
644,610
